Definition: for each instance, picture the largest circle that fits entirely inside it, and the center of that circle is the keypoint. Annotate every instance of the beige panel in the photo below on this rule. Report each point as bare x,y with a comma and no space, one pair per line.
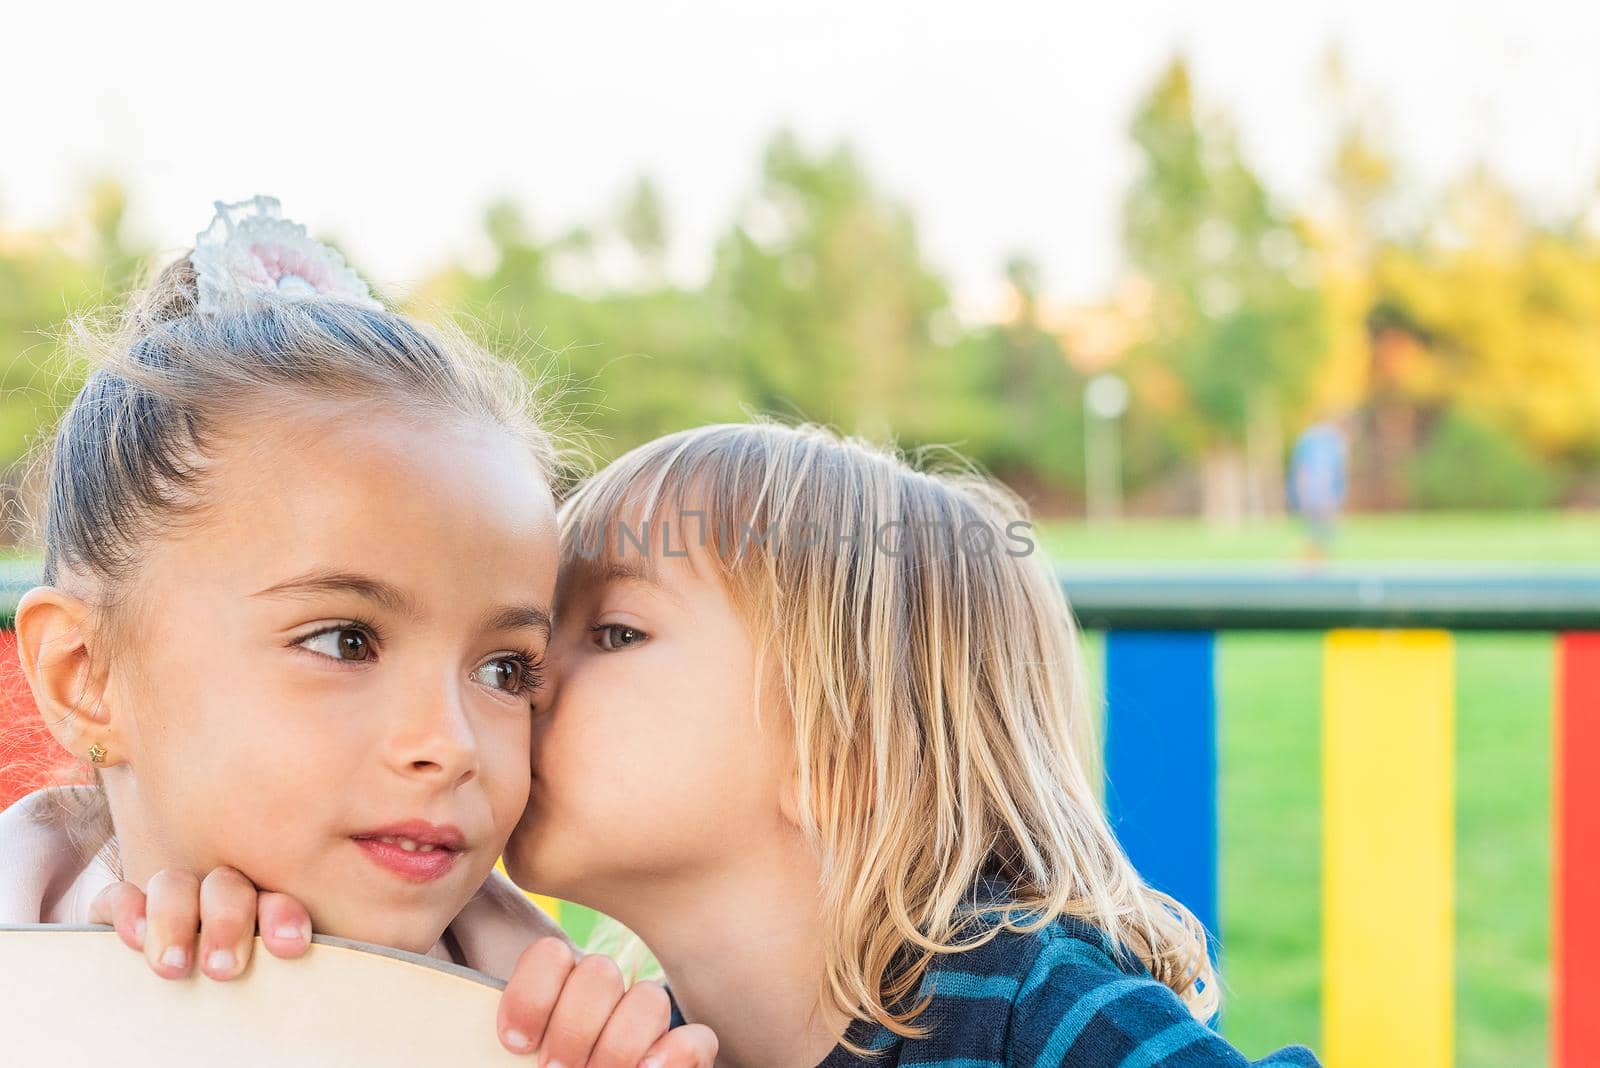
79,996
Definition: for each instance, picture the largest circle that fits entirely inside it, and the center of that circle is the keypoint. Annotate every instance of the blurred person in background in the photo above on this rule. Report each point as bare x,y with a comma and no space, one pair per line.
1318,483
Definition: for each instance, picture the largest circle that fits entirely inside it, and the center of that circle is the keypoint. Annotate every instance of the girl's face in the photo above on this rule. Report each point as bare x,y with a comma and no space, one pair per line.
329,678
649,762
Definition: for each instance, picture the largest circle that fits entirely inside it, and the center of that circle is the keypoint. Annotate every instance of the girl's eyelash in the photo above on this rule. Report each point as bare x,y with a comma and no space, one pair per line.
532,672
371,630
532,666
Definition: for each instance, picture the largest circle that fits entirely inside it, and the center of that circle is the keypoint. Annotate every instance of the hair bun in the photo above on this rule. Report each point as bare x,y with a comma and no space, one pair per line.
175,294
251,252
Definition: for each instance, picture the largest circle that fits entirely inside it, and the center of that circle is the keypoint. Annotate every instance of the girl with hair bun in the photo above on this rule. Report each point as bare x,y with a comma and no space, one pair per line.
299,557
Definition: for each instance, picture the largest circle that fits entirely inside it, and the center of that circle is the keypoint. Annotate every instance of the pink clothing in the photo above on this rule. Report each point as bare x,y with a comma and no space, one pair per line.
45,877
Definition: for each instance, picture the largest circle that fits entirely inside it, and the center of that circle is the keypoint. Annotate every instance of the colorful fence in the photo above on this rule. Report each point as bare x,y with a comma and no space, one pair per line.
1387,775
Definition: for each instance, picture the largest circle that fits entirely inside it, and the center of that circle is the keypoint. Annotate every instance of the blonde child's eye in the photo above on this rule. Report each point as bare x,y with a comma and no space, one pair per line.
614,636
340,643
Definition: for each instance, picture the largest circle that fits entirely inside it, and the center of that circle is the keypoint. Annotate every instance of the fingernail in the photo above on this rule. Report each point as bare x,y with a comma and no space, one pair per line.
651,1062
138,929
290,933
552,1064
518,1041
175,957
221,960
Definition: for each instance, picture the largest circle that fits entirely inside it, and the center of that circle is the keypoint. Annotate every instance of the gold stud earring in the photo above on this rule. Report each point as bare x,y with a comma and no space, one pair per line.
97,753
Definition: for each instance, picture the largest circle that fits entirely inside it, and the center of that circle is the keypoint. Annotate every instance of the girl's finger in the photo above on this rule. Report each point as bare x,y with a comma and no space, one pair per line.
591,995
690,1046
531,993
285,924
227,922
122,906
640,1019
172,915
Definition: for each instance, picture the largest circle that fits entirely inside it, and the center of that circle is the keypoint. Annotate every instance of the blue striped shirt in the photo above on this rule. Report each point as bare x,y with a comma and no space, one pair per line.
1056,996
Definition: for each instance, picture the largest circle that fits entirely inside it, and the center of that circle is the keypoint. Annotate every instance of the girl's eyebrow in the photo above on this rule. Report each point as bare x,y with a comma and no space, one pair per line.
519,617
391,597
324,581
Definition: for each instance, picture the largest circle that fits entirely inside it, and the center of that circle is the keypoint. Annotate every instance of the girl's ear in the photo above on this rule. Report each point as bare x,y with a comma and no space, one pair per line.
53,643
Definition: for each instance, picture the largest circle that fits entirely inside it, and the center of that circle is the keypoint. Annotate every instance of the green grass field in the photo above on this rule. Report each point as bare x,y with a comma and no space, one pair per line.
1269,686
1515,537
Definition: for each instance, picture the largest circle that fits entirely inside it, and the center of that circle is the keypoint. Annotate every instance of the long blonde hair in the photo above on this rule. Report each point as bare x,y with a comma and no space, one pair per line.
941,730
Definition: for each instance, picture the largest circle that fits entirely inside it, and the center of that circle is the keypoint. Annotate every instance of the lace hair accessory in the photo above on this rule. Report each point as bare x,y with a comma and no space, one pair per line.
250,249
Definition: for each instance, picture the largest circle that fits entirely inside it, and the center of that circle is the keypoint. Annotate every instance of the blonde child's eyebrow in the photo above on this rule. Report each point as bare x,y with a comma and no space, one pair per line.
640,570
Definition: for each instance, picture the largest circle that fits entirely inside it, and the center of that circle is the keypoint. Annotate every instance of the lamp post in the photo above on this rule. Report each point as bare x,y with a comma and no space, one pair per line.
1104,400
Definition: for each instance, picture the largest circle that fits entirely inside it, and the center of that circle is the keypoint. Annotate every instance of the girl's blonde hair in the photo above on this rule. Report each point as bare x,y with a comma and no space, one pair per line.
942,735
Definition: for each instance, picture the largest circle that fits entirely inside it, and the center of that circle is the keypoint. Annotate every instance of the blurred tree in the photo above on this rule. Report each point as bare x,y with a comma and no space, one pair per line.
1478,337
644,224
1504,474
1349,234
1030,431
1510,316
822,299
1237,320
46,278
619,366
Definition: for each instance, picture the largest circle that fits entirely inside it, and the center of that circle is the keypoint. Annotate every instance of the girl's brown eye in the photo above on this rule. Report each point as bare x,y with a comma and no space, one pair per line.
517,673
504,673
353,645
341,643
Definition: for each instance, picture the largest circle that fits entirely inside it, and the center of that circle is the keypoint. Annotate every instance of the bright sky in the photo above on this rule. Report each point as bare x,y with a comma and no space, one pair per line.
1002,123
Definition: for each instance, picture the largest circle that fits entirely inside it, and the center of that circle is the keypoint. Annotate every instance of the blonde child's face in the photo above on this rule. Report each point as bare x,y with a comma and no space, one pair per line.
648,760
341,649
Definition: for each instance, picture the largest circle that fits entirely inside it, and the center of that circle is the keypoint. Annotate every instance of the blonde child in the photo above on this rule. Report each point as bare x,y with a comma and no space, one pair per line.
299,556
829,706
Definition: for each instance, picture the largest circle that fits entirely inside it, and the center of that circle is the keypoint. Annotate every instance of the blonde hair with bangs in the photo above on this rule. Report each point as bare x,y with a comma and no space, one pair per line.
941,730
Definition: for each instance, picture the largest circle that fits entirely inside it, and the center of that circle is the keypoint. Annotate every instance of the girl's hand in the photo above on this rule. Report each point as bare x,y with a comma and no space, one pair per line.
576,1014
224,911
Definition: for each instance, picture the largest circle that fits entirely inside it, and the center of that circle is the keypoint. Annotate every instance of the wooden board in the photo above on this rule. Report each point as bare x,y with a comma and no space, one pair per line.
77,995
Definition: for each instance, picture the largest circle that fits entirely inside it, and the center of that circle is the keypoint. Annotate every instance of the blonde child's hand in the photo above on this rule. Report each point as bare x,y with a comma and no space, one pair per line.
575,1012
223,911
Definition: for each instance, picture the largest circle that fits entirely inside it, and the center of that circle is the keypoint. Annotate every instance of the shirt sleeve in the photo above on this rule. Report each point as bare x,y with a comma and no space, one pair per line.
1076,1007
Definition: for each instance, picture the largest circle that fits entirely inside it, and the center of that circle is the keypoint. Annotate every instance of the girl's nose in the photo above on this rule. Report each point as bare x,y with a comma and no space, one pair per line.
432,736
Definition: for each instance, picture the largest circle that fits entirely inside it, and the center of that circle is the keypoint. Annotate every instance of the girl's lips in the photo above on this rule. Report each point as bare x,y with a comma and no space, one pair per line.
412,865
415,850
